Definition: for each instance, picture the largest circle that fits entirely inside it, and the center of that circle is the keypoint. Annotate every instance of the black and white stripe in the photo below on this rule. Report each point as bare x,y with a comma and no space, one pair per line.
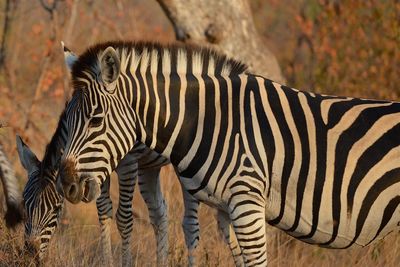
325,169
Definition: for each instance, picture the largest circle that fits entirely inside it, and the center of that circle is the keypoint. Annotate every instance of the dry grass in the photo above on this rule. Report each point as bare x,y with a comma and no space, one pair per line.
78,243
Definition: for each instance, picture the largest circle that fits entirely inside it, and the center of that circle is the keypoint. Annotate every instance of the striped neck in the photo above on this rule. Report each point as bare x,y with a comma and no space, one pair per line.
156,79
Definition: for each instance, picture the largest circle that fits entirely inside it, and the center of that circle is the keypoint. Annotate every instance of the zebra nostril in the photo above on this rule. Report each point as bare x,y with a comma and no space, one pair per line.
91,190
72,191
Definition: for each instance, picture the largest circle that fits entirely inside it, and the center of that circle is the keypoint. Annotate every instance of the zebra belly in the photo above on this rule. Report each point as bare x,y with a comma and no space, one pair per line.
204,195
361,227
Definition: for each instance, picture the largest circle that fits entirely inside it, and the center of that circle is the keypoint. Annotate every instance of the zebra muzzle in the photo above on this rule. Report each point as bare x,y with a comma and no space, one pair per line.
32,247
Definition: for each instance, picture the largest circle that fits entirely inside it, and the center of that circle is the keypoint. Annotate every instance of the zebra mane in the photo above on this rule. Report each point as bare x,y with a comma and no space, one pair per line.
88,61
52,148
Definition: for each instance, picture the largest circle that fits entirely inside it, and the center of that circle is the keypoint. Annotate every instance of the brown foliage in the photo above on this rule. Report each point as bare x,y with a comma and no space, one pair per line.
338,47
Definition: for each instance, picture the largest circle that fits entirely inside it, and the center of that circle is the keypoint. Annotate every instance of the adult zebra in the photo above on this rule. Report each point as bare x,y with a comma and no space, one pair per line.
325,169
44,205
14,211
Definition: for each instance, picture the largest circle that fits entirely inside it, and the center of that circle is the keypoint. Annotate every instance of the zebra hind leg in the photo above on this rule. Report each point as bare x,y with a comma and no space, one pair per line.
127,175
104,211
149,184
224,224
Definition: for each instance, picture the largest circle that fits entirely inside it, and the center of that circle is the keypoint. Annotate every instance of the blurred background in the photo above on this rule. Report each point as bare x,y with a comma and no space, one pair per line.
326,46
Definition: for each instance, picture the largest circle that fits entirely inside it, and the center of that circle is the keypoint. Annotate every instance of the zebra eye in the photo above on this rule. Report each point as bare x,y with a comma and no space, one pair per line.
95,122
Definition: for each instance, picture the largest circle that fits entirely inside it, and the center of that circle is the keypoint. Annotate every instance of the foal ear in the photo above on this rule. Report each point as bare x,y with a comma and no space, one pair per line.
26,156
110,66
69,56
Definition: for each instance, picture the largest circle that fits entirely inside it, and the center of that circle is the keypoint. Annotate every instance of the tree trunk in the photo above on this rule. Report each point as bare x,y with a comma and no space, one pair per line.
228,26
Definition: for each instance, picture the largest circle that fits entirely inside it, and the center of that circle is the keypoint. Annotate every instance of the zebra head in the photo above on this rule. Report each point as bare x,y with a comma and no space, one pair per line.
43,204
92,151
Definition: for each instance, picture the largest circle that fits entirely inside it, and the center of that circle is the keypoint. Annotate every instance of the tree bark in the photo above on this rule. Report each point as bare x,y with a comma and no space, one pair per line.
226,25
8,10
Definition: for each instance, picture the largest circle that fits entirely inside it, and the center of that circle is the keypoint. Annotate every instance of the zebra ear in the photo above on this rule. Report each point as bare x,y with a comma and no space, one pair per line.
26,156
69,56
109,68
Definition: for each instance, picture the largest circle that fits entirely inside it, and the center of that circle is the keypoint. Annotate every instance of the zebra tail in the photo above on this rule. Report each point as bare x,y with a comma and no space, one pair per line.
14,215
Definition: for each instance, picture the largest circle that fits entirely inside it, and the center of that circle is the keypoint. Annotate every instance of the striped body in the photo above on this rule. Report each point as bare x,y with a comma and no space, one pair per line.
322,168
12,194
332,163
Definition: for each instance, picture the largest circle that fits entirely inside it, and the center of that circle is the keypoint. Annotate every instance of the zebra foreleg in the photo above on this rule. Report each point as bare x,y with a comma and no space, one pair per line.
127,175
104,211
149,184
224,224
190,225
